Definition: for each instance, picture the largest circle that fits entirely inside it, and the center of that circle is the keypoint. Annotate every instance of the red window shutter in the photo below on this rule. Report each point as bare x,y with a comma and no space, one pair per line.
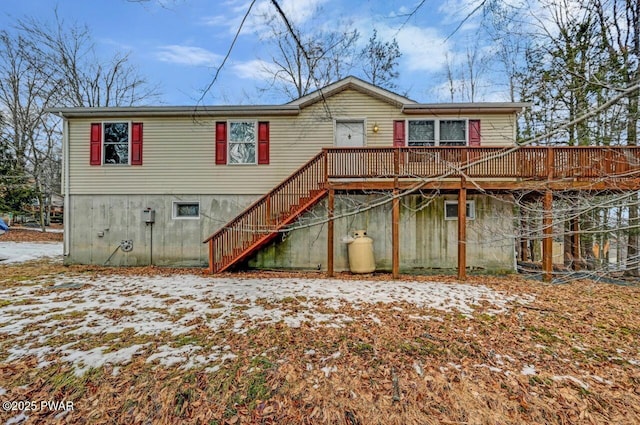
263,143
95,150
136,143
474,132
398,134
221,142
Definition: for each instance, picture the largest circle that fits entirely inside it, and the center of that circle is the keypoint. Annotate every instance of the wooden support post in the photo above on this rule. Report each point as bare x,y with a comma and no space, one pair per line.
395,236
211,258
330,233
547,240
462,233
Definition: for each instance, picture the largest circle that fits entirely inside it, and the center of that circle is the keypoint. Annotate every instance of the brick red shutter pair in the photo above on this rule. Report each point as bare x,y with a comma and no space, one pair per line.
399,138
221,143
95,155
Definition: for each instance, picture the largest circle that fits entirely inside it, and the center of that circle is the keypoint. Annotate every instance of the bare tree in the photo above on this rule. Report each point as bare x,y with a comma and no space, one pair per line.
464,79
42,66
619,22
301,62
86,79
380,61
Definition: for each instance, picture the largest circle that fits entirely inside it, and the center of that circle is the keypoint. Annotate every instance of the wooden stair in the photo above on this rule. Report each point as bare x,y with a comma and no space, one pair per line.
261,222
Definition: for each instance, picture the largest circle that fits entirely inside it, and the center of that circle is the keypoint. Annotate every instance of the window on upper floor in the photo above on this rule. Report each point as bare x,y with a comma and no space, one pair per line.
242,142
453,132
437,133
422,133
116,143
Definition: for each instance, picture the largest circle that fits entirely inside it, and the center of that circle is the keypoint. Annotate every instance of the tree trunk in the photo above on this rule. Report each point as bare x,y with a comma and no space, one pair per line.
632,268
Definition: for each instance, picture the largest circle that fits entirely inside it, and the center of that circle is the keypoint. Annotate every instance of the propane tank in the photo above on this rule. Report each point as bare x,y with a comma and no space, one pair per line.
360,251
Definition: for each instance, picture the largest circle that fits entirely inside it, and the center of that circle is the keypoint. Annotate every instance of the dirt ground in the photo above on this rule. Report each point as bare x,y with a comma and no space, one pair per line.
550,354
26,234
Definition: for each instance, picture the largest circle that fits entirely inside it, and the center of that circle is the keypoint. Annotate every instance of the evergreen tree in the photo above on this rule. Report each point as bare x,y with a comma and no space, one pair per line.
15,191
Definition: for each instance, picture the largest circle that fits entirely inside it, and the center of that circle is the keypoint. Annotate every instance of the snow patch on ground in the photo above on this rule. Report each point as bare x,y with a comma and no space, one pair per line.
573,379
19,419
76,308
19,252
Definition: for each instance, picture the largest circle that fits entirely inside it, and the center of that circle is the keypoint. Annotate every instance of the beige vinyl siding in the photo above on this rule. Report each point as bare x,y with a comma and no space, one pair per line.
496,129
179,152
179,157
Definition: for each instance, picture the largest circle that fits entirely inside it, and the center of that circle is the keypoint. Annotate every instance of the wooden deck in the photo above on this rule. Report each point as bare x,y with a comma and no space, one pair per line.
460,169
513,168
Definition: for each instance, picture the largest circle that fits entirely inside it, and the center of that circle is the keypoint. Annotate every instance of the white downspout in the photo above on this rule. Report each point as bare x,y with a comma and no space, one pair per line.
67,185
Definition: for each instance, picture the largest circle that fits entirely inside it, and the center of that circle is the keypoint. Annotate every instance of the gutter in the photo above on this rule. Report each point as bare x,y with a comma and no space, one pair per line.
462,108
177,111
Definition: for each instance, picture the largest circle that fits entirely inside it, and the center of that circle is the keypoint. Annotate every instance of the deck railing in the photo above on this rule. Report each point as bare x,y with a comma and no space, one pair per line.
261,221
266,216
484,162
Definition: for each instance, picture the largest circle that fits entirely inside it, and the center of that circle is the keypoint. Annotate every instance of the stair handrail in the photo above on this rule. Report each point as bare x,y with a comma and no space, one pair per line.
230,225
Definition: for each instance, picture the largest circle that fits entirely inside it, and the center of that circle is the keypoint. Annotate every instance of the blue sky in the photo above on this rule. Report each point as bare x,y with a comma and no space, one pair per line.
178,44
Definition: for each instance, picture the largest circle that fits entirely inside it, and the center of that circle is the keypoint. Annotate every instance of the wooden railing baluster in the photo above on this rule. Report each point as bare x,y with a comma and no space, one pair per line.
262,219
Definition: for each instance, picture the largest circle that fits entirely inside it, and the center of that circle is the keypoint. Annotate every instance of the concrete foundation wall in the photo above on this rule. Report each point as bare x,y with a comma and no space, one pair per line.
98,224
427,240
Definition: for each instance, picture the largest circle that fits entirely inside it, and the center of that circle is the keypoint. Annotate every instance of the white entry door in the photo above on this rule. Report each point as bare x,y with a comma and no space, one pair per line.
349,134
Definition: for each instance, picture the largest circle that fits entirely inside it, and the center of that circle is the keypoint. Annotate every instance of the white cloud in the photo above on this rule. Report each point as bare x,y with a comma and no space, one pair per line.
457,11
423,49
297,12
254,69
188,55
486,90
215,21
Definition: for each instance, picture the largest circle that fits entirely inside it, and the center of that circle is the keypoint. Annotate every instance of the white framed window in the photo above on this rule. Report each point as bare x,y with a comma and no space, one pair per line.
453,133
437,132
186,210
451,210
243,140
115,143
422,133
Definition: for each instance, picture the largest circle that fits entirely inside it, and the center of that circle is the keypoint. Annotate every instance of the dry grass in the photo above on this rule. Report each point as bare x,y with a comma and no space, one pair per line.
422,366
17,234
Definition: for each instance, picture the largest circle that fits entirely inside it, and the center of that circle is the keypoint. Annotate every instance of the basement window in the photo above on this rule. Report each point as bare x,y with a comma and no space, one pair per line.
186,210
451,210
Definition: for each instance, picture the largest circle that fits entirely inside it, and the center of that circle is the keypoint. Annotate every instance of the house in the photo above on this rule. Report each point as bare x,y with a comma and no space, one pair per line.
54,206
275,186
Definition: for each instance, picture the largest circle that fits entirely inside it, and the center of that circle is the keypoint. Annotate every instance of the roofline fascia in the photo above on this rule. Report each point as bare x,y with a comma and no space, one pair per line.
459,108
176,111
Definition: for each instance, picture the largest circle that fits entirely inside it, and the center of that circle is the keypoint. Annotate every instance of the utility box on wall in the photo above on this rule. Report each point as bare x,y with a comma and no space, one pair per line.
149,215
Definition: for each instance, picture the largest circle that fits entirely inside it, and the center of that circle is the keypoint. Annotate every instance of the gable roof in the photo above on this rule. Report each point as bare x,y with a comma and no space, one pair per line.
353,83
406,105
